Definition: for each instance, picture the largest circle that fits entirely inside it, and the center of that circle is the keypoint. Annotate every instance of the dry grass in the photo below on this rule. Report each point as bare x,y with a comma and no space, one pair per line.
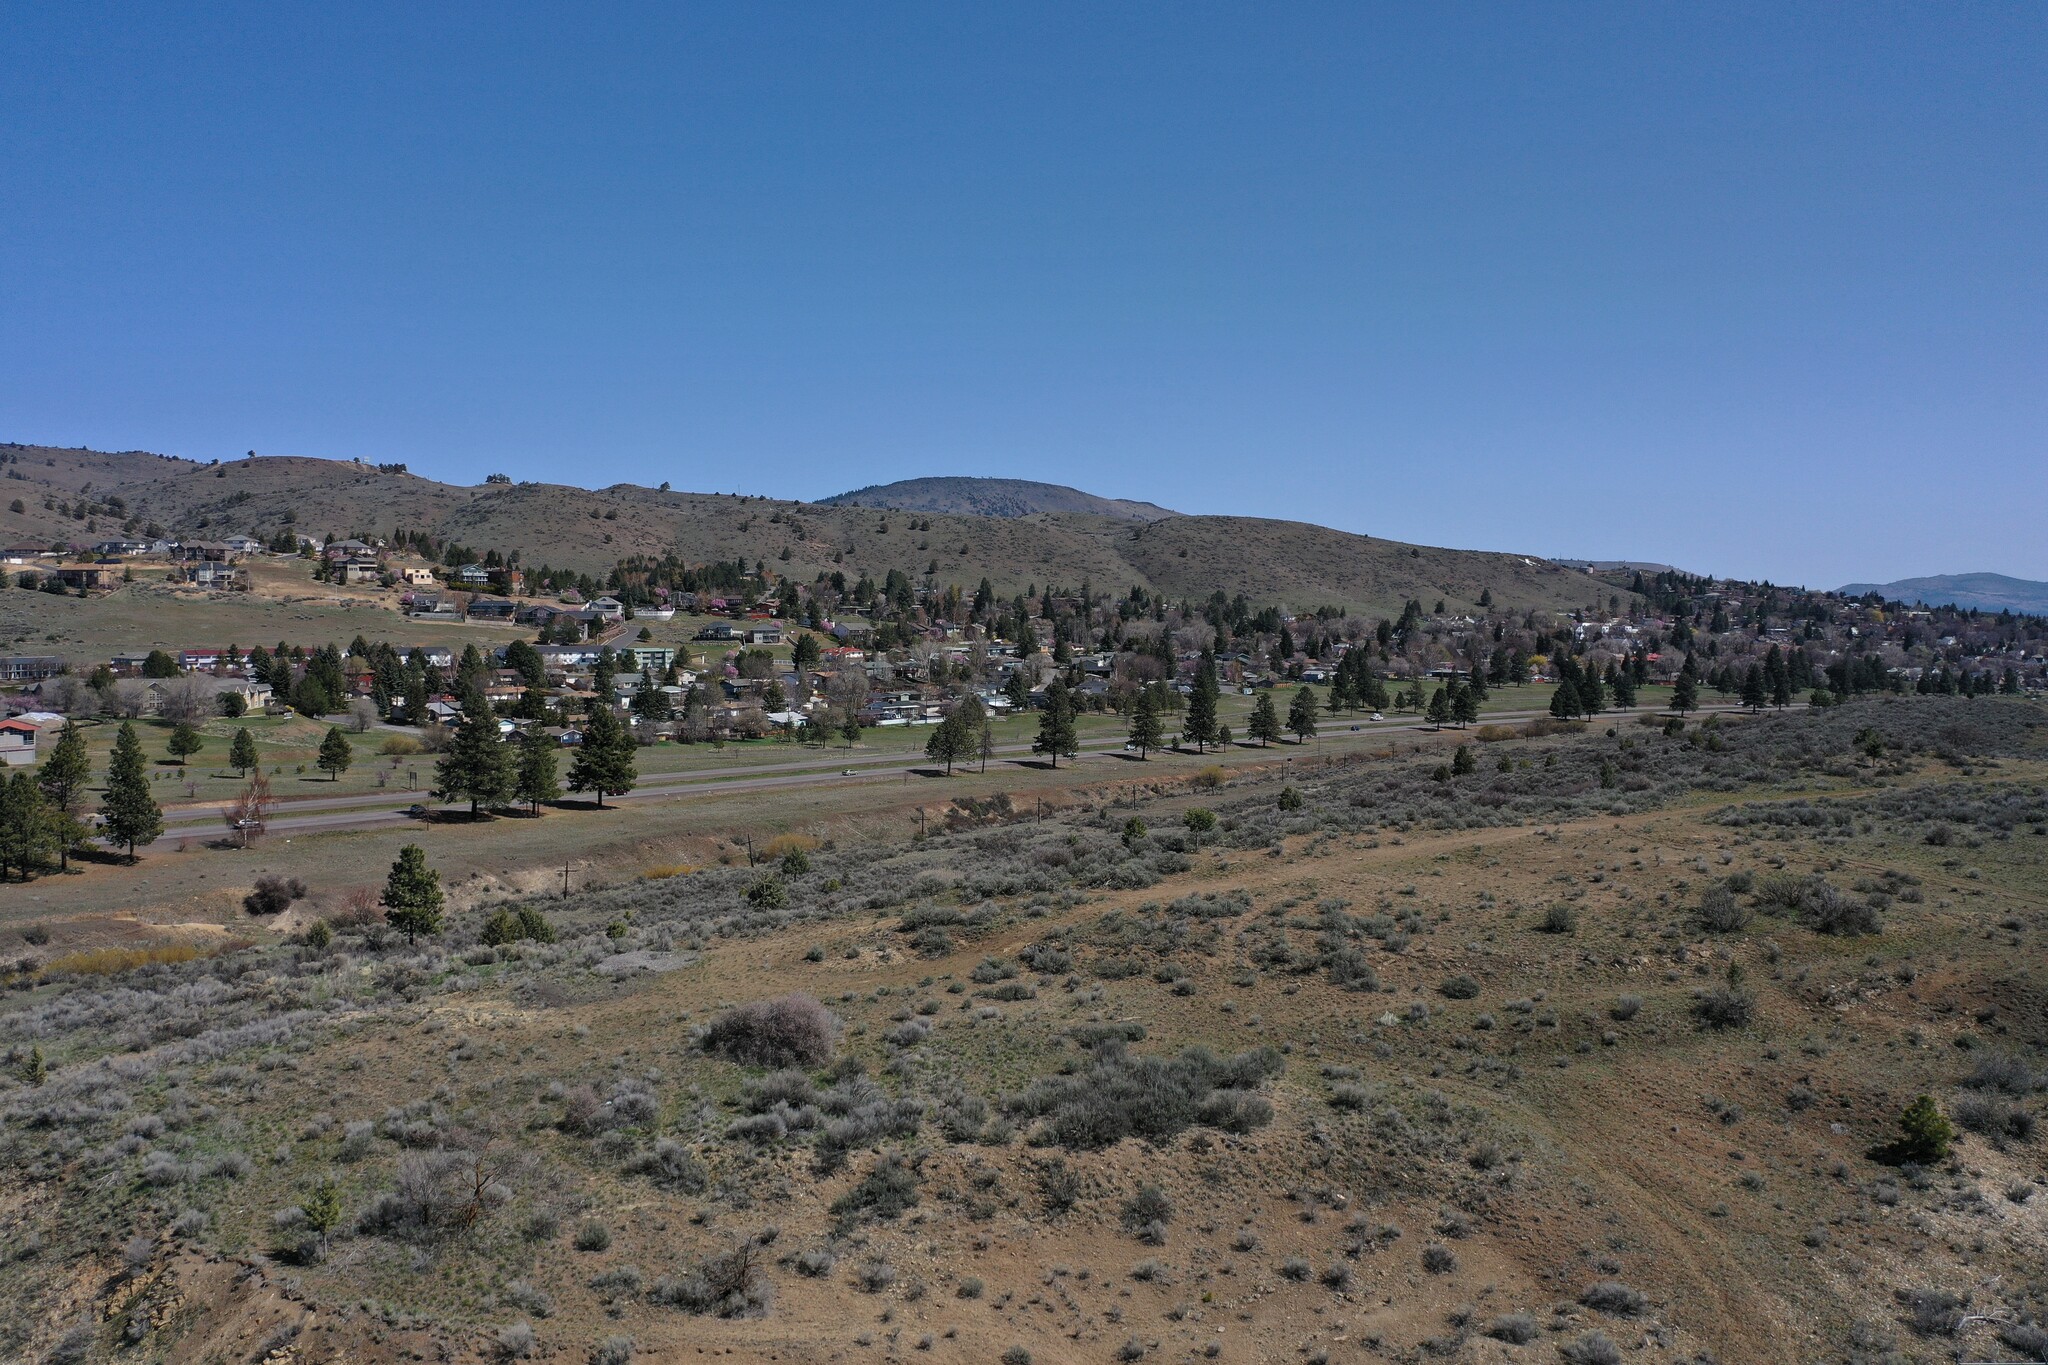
110,961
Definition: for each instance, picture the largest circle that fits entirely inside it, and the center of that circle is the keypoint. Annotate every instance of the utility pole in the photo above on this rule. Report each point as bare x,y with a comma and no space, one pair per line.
565,881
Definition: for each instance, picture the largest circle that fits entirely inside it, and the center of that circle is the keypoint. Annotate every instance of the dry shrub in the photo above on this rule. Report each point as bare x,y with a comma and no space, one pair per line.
1208,778
359,906
1544,725
663,871
397,746
782,845
112,961
1493,734
790,1030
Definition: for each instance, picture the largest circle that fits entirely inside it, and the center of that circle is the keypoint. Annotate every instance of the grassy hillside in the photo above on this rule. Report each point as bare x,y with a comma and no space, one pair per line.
1292,563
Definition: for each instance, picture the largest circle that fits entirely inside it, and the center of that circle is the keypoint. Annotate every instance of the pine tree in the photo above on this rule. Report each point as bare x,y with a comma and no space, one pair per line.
412,894
476,766
1265,722
1624,686
1018,689
1753,695
1462,761
604,761
948,742
63,778
849,728
26,833
129,812
1148,732
1464,704
1925,1132
1592,696
1685,693
335,753
1199,726
184,741
1565,702
242,752
1056,732
1301,716
1439,708
535,779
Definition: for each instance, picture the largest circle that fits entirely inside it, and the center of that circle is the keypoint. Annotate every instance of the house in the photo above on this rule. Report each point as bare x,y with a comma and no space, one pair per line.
610,608
212,573
717,632
360,570
652,658
201,658
350,549
416,578
472,575
18,742
89,577
243,545
492,609
129,662
30,667
122,547
764,635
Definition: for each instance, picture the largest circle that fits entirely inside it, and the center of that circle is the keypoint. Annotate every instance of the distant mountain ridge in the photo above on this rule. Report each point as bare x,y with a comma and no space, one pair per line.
74,496
1978,591
955,495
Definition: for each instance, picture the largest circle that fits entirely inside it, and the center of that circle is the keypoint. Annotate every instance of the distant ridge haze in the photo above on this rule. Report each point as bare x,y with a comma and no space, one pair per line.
1981,591
979,497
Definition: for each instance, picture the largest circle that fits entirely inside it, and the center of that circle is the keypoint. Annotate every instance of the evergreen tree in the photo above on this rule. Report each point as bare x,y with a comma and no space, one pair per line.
63,779
26,832
948,742
1056,732
651,703
1462,761
1199,726
242,751
475,767
1623,685
1148,732
1781,688
184,742
412,894
1925,1133
1753,695
849,728
535,781
1301,716
604,761
1685,693
129,813
1439,708
1566,702
1018,689
335,753
1592,696
1464,704
1265,722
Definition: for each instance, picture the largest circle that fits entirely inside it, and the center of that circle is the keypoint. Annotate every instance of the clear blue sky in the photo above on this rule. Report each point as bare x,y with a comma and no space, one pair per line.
1757,290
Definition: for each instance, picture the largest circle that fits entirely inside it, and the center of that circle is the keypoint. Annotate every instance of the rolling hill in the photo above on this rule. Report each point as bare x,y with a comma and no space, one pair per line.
993,498
1290,563
1978,591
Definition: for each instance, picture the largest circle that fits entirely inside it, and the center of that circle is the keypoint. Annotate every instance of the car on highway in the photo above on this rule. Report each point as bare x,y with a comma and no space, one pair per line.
846,772
1377,716
416,811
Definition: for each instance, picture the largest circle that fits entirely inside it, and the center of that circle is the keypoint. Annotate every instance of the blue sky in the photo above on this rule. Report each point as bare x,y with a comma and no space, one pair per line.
1754,289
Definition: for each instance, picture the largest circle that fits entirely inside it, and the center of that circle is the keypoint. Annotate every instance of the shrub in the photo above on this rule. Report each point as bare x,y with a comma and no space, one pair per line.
1290,799
515,1342
612,1351
1296,1269
1460,987
1016,1355
2004,1074
1517,1329
1145,1214
1626,1007
1933,1312
273,894
591,1235
1199,820
1120,1095
890,1189
1439,1259
1559,919
1720,912
1614,1298
790,1030
1059,1189
730,1284
1593,1348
